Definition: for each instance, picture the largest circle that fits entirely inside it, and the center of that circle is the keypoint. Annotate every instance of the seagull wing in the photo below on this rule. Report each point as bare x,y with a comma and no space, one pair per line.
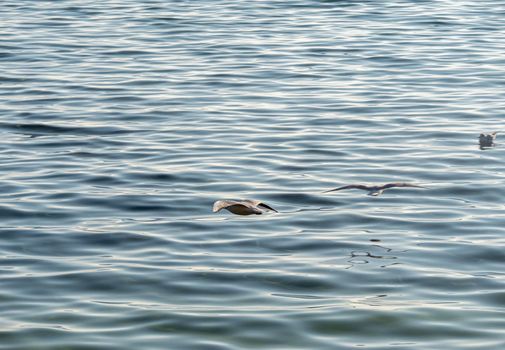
256,203
359,187
222,204
263,205
400,184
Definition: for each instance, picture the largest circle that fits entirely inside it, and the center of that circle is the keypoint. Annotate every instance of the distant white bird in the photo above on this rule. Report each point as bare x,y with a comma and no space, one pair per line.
487,140
374,190
242,207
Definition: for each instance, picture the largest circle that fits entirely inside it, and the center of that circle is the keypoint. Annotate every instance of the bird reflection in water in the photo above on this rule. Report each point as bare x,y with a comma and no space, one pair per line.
360,257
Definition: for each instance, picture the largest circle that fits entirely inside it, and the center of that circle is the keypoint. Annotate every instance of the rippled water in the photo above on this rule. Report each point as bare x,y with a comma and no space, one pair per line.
122,122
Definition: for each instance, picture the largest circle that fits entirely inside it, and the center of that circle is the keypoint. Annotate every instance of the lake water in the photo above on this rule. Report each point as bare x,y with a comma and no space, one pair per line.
121,122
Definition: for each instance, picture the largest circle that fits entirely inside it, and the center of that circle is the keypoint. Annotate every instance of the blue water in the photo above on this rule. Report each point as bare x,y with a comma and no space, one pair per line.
121,122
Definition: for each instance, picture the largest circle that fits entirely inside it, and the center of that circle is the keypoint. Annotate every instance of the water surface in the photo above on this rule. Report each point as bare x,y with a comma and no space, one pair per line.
122,121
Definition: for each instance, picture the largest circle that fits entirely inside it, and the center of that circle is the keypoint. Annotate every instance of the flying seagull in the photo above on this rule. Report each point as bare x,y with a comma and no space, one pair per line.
487,140
242,207
375,190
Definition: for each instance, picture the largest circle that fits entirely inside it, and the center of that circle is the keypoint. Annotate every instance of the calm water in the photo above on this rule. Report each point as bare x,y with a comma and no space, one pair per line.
122,121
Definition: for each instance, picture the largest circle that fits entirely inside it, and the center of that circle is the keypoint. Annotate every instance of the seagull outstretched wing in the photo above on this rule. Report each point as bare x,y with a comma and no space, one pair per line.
400,184
359,187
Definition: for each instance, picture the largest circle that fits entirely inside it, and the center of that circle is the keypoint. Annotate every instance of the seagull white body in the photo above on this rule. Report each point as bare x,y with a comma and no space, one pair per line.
242,207
487,140
375,190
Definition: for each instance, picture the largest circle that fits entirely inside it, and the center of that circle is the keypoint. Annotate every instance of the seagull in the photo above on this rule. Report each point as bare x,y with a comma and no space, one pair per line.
487,140
375,190
242,207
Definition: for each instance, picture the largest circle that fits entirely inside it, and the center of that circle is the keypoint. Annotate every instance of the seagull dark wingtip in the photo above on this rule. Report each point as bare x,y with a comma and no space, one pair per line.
263,205
336,189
